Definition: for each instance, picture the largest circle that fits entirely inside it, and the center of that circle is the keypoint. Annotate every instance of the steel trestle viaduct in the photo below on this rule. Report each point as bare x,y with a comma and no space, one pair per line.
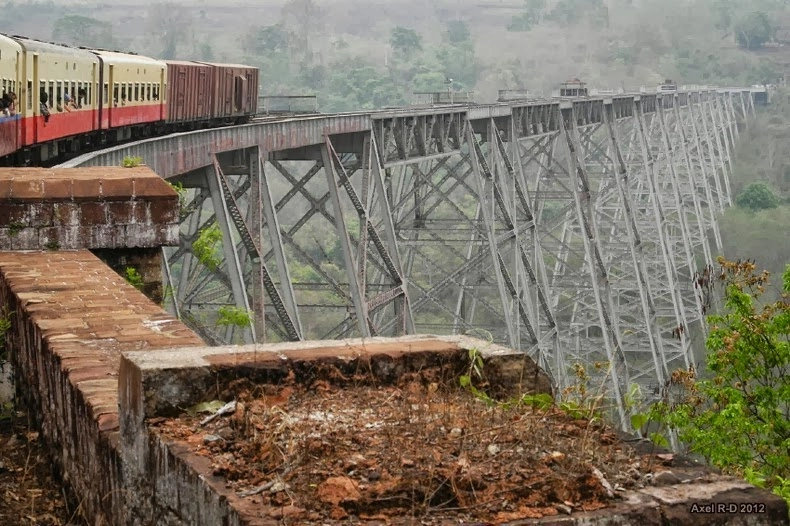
577,230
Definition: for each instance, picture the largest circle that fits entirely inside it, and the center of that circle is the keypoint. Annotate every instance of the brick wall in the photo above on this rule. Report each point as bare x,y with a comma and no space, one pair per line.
72,319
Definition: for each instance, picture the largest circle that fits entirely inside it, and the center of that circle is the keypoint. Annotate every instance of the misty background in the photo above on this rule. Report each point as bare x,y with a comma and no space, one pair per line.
367,54
360,54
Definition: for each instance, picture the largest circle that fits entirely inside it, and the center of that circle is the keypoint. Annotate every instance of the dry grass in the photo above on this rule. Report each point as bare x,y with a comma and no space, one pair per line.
29,494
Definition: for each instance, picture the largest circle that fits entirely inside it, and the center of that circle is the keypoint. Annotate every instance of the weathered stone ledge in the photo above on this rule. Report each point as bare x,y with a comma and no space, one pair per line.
78,208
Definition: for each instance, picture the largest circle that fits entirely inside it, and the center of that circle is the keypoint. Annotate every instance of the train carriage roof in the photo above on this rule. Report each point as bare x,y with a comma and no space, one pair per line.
7,42
187,63
219,65
49,48
118,58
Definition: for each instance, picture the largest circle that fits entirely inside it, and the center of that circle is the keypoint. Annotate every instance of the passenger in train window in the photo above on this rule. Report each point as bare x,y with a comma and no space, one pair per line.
5,104
12,104
44,108
68,103
8,104
82,97
59,104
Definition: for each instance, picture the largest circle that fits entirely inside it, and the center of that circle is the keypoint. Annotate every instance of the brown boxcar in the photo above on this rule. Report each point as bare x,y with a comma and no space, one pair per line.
189,91
234,90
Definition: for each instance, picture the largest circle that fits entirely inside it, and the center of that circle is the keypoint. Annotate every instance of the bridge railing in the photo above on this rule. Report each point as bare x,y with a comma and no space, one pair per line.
288,104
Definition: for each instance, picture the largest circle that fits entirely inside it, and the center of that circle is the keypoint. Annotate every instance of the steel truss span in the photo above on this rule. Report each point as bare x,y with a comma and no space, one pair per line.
576,230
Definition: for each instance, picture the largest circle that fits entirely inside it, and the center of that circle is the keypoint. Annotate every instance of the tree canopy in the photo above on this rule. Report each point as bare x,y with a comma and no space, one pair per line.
757,196
753,30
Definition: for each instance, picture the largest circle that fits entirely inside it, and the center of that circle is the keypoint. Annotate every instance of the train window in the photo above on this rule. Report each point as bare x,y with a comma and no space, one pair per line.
149,92
106,93
59,94
136,91
115,96
156,91
29,94
51,90
130,91
123,92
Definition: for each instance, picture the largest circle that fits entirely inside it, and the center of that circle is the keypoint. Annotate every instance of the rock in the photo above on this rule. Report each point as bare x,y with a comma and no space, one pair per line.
557,456
456,432
605,483
493,449
210,439
288,512
635,474
226,433
664,478
335,490
277,487
564,509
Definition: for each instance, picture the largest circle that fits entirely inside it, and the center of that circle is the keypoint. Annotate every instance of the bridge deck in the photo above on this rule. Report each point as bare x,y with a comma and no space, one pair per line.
184,152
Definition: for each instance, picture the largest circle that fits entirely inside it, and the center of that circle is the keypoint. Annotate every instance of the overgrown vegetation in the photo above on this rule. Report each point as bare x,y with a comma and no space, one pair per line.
131,162
183,206
134,278
234,317
5,326
206,247
15,227
737,414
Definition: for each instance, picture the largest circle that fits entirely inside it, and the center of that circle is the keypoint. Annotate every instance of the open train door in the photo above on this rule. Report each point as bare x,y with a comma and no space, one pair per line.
239,93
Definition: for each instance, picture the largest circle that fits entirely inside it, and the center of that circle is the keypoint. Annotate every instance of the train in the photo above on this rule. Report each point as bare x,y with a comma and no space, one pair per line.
59,100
